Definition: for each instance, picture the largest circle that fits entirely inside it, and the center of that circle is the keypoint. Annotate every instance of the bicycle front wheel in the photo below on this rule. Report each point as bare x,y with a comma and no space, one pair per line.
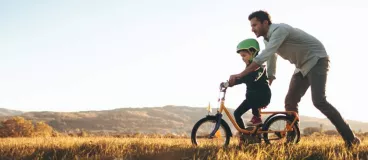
202,129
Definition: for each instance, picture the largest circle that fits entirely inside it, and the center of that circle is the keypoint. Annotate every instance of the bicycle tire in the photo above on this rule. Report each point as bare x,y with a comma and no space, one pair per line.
211,119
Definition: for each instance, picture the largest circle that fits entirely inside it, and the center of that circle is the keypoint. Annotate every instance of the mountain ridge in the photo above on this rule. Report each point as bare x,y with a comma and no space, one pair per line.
161,120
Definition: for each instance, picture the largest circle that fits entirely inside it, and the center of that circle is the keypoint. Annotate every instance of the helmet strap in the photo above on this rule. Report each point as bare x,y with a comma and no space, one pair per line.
253,54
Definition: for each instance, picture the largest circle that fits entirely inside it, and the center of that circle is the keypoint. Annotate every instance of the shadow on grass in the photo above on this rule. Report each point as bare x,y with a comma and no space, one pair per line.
101,151
158,152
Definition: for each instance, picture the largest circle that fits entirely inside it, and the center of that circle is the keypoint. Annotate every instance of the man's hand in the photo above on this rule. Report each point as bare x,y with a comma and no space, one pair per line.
270,81
233,78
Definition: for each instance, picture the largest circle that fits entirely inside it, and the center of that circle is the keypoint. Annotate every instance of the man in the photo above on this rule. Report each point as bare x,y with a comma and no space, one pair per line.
311,61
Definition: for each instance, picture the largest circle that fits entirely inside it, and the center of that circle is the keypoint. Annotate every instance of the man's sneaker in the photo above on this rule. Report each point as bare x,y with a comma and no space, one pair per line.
355,142
255,121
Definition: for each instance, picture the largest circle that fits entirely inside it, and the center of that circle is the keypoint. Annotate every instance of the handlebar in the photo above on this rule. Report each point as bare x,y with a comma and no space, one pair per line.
223,86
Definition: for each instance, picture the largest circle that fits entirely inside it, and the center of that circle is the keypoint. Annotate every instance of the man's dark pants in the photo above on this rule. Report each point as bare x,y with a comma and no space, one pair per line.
316,79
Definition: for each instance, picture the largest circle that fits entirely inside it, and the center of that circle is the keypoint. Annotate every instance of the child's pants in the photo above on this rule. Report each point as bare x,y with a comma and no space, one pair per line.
244,107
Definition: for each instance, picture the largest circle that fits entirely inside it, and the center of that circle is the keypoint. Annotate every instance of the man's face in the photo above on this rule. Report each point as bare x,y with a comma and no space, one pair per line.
259,29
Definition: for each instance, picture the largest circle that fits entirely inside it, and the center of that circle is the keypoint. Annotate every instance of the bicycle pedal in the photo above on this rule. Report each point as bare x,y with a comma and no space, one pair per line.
250,128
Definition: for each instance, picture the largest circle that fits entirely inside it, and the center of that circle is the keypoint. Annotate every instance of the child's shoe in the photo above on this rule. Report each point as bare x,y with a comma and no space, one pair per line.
255,121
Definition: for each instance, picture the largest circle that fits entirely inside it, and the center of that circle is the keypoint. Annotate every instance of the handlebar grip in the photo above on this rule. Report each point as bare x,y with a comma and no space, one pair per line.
224,84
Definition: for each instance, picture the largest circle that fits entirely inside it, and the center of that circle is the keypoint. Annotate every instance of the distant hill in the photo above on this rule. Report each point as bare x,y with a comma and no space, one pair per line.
167,119
8,112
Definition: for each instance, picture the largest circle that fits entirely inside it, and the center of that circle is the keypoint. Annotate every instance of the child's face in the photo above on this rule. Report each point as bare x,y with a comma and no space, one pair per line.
245,54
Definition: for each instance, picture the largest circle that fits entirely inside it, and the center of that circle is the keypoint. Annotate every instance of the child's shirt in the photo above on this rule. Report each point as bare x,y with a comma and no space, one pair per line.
256,82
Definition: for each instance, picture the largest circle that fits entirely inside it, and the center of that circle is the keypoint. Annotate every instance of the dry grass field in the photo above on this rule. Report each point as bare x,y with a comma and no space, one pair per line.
315,147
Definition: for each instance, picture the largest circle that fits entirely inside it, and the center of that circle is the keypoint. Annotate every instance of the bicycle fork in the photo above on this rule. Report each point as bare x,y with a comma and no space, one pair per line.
217,126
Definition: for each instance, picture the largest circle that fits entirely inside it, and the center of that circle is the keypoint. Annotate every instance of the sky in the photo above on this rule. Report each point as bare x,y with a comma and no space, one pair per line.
99,55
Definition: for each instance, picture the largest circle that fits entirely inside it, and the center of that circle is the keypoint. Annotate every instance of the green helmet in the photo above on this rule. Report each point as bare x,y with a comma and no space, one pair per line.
249,44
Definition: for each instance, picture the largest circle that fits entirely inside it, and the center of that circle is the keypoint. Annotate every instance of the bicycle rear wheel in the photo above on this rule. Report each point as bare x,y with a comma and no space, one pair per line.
203,128
277,125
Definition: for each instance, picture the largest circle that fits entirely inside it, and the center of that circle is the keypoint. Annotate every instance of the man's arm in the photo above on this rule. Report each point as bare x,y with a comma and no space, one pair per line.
252,67
276,39
271,68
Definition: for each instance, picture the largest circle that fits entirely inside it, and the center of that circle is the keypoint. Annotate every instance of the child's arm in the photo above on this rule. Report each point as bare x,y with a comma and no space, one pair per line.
255,75
239,81
251,77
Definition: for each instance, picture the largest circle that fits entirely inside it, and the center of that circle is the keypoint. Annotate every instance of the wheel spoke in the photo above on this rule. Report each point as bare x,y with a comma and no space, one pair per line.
278,127
202,130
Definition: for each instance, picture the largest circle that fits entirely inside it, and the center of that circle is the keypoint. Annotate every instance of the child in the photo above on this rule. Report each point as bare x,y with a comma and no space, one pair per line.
258,93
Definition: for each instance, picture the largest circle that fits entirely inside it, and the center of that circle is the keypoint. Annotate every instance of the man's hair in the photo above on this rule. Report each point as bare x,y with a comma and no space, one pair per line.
261,16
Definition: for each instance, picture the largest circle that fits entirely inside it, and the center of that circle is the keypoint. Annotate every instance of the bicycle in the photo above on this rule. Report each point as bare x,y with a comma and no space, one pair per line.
219,132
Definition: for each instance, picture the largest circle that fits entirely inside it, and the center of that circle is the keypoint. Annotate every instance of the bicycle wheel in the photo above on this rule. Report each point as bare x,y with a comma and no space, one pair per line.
203,128
278,124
